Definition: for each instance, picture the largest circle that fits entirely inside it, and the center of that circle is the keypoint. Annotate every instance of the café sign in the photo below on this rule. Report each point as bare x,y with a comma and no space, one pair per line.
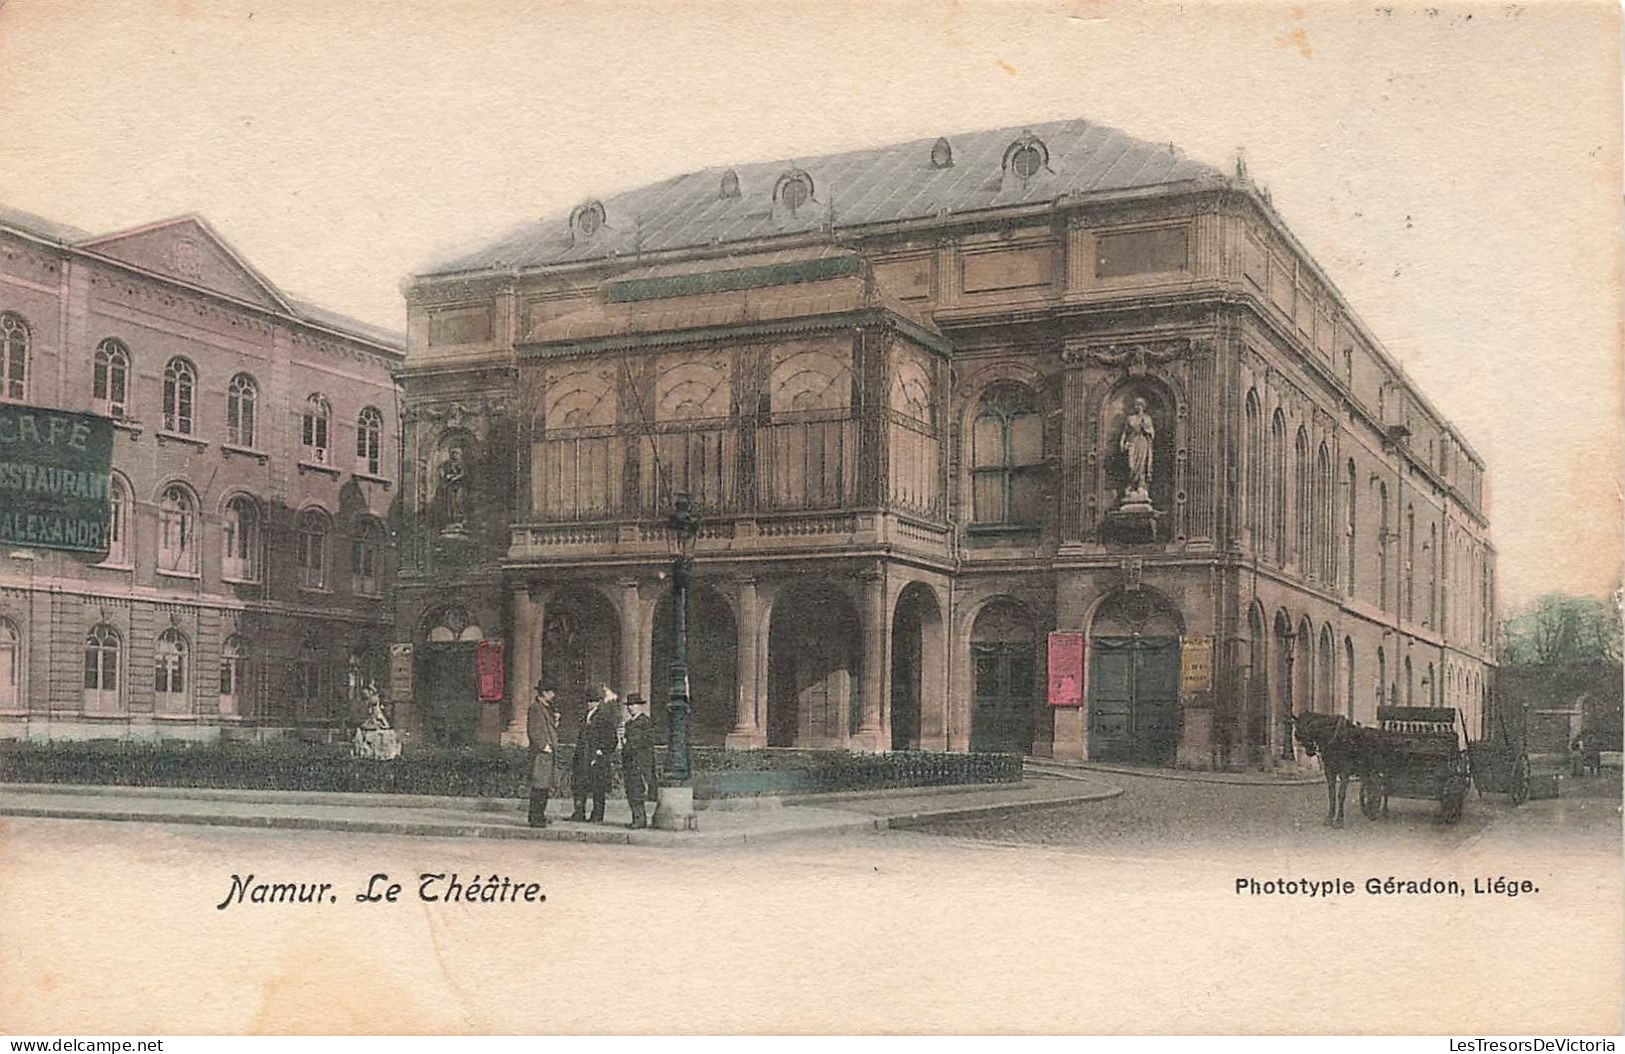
55,474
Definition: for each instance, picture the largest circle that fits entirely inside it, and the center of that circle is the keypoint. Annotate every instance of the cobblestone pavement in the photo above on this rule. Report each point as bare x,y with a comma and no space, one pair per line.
1165,817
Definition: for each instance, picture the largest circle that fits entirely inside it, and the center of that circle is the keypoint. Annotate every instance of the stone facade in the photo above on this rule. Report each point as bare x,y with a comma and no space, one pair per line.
255,471
916,436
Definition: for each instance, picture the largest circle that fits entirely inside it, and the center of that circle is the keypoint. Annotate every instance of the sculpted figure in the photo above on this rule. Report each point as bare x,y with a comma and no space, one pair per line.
1139,434
453,487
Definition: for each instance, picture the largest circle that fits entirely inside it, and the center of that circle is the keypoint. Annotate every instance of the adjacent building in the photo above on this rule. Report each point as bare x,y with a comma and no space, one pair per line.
934,402
256,463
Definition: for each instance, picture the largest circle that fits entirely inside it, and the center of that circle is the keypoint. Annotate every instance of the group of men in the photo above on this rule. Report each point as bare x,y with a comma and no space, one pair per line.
600,733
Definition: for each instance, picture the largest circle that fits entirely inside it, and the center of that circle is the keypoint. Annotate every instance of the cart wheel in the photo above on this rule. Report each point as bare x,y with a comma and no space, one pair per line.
1455,796
1370,798
1520,781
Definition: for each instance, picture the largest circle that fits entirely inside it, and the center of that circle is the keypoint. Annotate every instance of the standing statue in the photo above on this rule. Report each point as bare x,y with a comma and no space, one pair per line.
1139,435
453,489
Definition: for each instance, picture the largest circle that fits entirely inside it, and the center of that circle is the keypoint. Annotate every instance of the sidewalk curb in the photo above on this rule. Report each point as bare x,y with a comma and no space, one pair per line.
1050,768
845,823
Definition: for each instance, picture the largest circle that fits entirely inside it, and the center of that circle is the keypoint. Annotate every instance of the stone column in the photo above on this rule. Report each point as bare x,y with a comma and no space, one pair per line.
747,732
631,679
876,679
524,640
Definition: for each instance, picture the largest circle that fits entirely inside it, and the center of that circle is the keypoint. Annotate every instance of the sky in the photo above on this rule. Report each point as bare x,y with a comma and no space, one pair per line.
1455,169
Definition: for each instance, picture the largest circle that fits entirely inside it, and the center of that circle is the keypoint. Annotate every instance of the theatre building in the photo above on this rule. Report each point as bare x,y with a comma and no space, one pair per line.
255,452
975,425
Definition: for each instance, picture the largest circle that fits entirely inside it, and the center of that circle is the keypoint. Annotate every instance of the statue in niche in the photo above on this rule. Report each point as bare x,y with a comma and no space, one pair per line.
1137,443
454,492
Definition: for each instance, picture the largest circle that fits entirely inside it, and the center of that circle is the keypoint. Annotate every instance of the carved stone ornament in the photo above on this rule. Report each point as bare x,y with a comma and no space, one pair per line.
1130,570
1135,359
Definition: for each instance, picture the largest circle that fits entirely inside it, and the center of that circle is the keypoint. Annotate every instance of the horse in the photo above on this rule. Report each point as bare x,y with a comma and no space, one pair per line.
1346,750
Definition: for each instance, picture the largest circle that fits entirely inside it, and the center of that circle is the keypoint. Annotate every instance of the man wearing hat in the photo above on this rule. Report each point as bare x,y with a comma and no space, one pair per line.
542,729
638,758
595,744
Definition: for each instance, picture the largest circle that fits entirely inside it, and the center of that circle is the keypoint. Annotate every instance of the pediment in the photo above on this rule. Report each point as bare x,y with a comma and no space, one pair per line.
188,250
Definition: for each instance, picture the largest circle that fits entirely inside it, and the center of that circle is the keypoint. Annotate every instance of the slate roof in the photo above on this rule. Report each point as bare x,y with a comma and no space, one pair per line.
885,184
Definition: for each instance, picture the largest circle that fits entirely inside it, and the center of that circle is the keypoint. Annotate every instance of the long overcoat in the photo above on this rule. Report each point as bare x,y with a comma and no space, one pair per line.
595,746
638,758
542,728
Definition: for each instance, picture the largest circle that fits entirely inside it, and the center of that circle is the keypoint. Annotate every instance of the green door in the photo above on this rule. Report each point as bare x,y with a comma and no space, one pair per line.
1002,704
448,693
1134,699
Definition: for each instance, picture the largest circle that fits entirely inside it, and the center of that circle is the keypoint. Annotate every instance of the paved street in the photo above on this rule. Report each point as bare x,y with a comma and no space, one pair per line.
1115,916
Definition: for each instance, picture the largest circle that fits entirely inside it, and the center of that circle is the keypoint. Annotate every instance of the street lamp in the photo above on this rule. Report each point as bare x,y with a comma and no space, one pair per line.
1288,640
674,808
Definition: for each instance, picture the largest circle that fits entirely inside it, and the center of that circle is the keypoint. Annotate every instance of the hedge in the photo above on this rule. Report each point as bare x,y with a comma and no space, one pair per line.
478,772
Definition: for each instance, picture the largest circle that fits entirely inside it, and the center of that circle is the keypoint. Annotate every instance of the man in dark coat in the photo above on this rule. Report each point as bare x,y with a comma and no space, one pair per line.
595,745
542,729
638,759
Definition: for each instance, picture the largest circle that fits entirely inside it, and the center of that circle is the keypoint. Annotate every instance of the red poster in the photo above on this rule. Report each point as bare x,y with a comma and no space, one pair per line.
488,666
1066,669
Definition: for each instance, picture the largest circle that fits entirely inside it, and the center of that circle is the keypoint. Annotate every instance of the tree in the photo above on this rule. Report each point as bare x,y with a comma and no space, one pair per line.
1559,628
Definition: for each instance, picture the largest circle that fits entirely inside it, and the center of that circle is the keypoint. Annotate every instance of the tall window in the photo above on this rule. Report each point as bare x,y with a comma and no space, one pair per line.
1007,453
180,384
365,554
1325,549
118,522
233,659
1253,472
241,395
102,648
1277,487
369,442
169,671
312,549
315,447
240,544
1303,507
1409,599
177,531
11,665
110,378
1351,504
13,357
1384,538
1434,564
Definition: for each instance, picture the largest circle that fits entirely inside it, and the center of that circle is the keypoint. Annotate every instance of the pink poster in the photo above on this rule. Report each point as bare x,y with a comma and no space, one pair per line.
1066,669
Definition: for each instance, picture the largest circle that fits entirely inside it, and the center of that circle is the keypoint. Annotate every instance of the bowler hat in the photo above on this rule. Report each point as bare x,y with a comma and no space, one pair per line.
634,699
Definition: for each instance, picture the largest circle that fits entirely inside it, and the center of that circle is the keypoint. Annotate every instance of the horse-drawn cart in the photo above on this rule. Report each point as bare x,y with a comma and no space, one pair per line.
1501,763
1421,756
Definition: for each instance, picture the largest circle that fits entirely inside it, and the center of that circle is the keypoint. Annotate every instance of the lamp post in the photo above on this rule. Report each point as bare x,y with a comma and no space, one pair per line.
1288,639
674,807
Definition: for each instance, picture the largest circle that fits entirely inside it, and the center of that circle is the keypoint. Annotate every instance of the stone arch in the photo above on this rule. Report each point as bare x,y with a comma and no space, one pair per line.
1326,672
814,657
1004,676
581,648
1133,678
1304,688
1256,717
919,642
713,662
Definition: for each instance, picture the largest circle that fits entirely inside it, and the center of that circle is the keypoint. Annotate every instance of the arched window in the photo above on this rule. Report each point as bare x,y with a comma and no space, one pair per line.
369,442
240,545
180,383
1303,509
1348,678
118,522
241,395
1351,505
1433,576
110,378
13,357
1410,683
233,667
177,531
1408,601
102,647
1325,548
1007,454
1277,486
169,671
366,556
1253,471
11,665
1382,677
312,549
1384,538
314,445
